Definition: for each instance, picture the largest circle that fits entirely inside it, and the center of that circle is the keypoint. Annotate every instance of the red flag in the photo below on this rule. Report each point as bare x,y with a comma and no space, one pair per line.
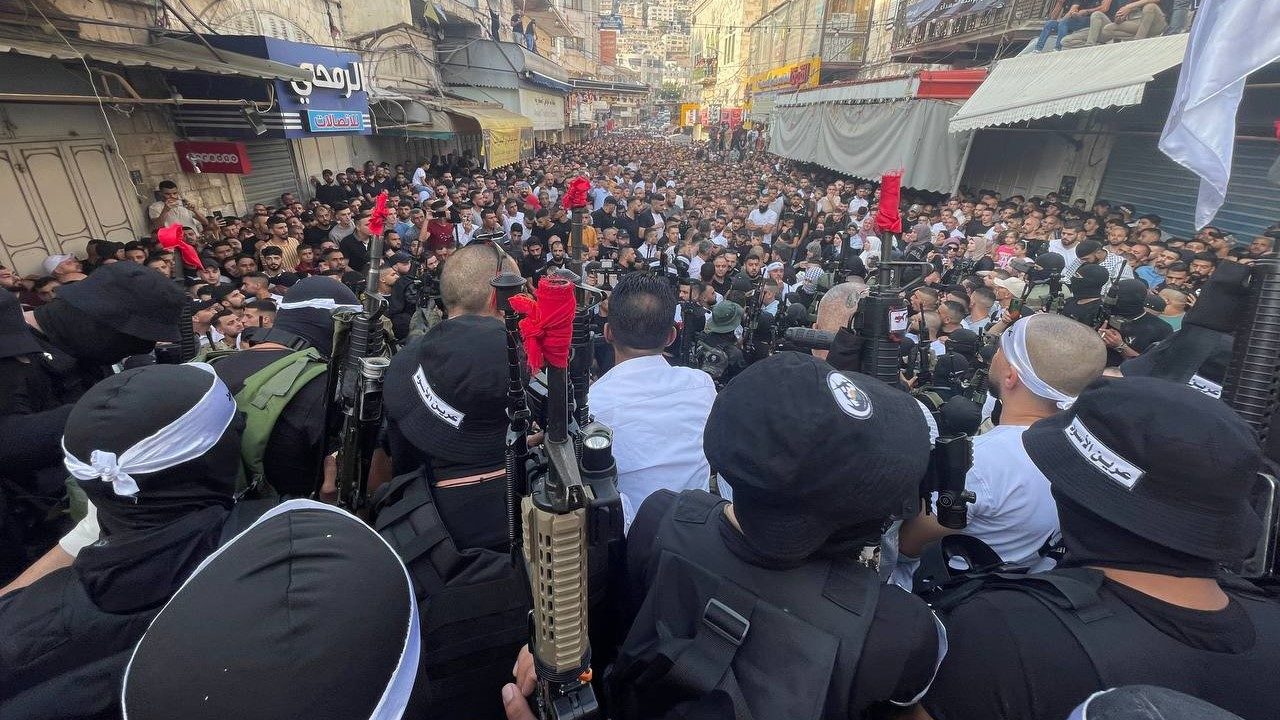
575,196
888,217
547,327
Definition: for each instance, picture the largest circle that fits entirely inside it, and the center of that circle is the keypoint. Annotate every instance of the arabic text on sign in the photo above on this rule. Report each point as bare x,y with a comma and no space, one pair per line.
347,80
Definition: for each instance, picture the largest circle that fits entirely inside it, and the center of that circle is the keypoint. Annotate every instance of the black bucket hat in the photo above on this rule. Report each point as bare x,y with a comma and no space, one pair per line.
1159,459
446,391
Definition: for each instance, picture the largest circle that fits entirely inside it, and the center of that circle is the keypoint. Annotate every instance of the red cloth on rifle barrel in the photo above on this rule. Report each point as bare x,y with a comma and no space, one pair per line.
547,327
381,213
888,216
171,237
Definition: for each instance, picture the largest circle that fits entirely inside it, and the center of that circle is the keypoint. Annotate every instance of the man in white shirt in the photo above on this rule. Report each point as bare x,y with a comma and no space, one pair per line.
763,220
656,411
1044,361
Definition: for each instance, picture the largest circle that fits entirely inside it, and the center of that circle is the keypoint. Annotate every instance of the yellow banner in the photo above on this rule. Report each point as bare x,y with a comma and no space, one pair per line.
503,147
794,76
688,115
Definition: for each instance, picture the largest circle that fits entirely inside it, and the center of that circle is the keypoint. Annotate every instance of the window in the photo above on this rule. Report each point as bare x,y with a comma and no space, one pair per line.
572,4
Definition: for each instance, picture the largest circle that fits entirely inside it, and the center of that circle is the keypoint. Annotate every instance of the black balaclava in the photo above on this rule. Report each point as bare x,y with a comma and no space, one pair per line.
85,338
1091,540
153,537
313,324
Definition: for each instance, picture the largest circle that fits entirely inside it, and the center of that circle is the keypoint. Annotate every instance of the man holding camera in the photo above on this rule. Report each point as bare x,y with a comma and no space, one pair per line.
1043,362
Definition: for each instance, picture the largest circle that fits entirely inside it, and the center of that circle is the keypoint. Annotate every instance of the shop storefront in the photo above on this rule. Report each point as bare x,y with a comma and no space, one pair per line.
298,128
71,172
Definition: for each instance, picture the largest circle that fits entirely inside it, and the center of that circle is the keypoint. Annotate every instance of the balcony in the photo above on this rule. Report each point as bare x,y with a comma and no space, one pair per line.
972,31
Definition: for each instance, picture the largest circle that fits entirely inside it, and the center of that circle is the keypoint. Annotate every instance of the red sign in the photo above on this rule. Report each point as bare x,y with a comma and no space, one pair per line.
213,157
731,116
608,47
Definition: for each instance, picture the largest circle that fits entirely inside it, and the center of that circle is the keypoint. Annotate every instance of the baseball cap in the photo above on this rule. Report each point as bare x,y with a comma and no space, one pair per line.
399,257
1087,248
1013,285
843,452
1158,459
446,390
134,299
53,261
725,317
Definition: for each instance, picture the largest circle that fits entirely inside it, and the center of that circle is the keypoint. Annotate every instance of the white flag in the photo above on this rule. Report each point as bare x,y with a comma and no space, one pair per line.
1229,40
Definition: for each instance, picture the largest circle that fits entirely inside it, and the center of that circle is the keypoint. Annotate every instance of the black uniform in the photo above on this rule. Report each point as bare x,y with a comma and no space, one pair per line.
729,345
1139,333
865,617
1085,312
1059,659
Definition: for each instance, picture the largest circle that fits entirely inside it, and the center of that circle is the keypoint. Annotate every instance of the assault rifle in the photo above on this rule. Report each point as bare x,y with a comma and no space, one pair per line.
356,369
569,518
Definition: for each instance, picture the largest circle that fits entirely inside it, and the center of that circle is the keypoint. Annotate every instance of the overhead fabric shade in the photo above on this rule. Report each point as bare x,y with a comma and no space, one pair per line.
879,91
164,54
868,141
494,118
1029,87
504,133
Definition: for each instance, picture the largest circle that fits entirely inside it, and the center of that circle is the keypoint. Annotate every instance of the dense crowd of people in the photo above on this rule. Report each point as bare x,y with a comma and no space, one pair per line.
170,546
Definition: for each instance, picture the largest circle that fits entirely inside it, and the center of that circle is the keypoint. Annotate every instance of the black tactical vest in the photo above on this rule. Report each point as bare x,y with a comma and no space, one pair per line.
1125,649
719,637
473,605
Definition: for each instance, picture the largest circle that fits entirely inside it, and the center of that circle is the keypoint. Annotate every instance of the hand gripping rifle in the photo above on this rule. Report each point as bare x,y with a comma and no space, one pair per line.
572,508
356,369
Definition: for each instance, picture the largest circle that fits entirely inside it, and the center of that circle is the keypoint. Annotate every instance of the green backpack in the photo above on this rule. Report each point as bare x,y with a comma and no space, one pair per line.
264,396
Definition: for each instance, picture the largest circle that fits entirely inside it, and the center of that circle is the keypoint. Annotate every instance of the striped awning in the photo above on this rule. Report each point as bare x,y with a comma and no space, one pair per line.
1033,86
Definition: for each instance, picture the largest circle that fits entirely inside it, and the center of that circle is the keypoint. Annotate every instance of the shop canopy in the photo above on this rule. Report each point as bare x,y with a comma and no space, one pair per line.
1033,86
493,118
165,54
869,140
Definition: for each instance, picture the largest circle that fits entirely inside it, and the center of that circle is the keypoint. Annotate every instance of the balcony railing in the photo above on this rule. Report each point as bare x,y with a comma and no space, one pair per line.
1001,21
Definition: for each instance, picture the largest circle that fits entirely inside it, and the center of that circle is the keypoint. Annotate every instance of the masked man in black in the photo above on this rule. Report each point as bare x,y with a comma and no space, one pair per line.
156,449
760,607
1152,480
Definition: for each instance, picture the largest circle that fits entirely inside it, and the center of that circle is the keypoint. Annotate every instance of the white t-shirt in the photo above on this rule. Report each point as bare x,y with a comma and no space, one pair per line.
1014,512
657,413
761,219
419,184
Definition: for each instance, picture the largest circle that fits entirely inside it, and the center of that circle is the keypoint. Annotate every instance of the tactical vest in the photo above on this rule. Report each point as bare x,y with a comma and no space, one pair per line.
264,395
720,637
1125,649
474,606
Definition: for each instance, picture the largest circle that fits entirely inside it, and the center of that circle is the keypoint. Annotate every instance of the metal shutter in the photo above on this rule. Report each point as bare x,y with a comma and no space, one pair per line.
273,172
1138,172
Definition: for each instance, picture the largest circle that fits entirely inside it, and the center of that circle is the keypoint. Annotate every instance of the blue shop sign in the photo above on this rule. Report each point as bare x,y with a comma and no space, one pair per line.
334,101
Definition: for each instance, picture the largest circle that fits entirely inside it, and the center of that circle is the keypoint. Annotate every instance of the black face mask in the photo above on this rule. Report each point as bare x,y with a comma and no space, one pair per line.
84,337
1091,540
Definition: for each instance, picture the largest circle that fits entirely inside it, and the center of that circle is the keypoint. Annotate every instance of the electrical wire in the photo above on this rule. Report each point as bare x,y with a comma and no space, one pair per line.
102,106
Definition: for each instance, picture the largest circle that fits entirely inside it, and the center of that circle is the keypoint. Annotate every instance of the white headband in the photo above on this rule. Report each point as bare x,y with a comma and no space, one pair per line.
317,303
182,440
1013,343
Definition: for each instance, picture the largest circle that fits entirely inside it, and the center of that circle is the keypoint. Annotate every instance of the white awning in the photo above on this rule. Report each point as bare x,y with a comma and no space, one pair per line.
1042,85
869,140
872,91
